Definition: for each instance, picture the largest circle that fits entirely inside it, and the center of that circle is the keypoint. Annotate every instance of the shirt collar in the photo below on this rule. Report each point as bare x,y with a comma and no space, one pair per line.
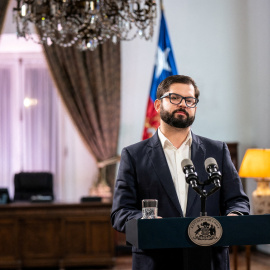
165,141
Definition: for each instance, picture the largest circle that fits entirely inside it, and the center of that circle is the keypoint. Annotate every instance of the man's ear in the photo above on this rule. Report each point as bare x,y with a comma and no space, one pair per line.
157,105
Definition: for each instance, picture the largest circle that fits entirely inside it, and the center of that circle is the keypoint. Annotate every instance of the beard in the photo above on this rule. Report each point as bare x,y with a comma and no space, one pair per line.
178,121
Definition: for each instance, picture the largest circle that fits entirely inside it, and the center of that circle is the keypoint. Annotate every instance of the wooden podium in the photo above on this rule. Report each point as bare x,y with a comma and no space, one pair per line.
173,233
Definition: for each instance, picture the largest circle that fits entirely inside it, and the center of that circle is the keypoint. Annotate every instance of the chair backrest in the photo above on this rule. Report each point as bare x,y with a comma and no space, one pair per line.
28,184
4,196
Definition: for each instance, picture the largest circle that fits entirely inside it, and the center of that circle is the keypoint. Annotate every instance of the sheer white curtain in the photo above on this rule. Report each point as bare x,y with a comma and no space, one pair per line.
40,122
5,120
30,115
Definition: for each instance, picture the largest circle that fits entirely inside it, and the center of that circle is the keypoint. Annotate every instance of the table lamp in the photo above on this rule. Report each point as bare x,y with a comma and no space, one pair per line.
256,164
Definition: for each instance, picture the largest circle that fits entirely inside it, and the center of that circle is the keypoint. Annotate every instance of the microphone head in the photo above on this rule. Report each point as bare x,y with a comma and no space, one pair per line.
210,161
186,162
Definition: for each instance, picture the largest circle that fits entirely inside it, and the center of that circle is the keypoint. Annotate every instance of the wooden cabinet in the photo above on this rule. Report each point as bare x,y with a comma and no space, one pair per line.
56,234
234,153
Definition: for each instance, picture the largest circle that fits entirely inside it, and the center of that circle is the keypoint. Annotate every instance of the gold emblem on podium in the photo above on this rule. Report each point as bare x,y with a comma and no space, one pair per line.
205,231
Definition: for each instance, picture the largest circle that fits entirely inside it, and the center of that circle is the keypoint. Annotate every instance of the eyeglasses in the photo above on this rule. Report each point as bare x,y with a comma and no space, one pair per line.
176,99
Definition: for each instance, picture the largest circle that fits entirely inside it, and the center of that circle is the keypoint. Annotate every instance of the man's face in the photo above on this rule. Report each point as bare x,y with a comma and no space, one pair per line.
179,116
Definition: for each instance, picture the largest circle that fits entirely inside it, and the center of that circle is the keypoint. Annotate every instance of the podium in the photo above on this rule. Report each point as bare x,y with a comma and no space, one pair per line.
172,233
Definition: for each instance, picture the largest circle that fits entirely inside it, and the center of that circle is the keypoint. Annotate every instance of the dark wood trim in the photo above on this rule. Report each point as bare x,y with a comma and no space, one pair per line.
56,235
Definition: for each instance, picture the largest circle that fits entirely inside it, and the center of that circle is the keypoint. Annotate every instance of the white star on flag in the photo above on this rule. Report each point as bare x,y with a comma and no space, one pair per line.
162,61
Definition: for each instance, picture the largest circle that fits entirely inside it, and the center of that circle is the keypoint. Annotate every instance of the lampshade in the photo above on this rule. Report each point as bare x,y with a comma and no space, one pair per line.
256,164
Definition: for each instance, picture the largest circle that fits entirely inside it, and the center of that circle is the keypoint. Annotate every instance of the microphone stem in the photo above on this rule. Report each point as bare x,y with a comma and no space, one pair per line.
203,203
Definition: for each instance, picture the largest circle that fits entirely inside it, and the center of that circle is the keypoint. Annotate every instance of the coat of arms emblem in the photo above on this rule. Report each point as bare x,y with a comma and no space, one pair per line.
205,231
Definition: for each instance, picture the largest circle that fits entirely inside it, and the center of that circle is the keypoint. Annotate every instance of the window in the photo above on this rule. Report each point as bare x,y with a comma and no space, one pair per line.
30,119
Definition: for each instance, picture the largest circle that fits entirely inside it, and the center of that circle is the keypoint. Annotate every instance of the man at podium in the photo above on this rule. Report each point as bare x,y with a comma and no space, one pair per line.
151,169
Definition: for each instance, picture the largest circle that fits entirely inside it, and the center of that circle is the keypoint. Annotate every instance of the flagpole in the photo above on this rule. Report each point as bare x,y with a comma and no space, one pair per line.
161,5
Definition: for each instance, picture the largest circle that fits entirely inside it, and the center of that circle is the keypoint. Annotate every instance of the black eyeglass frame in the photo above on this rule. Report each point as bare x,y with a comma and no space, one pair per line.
185,98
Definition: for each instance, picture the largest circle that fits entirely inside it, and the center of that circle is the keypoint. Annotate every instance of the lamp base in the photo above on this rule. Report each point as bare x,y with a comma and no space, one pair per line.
261,197
264,248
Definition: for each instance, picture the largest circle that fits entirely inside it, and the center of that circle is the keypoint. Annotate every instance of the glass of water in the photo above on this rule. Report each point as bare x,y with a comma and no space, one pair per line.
149,208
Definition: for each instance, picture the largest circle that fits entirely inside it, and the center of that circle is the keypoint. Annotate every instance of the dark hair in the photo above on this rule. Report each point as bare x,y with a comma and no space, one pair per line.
165,84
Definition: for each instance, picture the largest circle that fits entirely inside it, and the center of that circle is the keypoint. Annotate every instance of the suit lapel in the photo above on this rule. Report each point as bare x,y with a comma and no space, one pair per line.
197,157
160,165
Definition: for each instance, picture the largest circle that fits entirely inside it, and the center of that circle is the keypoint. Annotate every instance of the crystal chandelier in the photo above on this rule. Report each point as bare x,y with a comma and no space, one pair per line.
85,23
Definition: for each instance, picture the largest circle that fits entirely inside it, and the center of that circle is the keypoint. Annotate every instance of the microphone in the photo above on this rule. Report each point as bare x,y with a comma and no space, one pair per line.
211,168
189,171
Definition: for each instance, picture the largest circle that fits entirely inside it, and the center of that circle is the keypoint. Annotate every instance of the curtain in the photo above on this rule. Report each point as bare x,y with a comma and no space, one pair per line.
40,121
5,134
3,9
89,84
29,130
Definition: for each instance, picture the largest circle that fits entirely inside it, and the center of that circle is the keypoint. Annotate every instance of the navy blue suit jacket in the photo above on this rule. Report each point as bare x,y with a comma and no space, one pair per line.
144,174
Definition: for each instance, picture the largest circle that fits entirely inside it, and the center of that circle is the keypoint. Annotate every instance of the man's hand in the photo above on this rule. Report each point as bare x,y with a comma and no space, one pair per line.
235,213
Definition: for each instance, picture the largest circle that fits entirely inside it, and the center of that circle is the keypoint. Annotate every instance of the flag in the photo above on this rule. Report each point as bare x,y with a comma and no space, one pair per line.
164,67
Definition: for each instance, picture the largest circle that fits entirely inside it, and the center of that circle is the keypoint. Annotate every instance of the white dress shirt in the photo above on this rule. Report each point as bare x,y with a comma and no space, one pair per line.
174,158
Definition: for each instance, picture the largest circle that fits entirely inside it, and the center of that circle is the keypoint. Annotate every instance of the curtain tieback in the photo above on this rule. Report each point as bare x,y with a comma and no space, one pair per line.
101,188
109,161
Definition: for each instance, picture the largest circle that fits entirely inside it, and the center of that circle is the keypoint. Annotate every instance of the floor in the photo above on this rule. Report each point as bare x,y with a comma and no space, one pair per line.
259,261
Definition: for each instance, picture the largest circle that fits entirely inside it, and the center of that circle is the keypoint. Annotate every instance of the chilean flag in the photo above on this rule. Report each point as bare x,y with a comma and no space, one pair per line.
164,67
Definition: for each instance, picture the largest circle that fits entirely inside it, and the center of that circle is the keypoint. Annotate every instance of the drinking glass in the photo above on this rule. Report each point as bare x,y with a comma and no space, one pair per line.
149,208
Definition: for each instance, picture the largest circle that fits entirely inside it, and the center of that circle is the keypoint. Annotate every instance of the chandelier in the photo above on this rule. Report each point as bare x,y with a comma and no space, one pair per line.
85,23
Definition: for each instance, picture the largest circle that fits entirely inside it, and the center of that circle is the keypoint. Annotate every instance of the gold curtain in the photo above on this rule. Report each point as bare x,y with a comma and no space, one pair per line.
89,84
